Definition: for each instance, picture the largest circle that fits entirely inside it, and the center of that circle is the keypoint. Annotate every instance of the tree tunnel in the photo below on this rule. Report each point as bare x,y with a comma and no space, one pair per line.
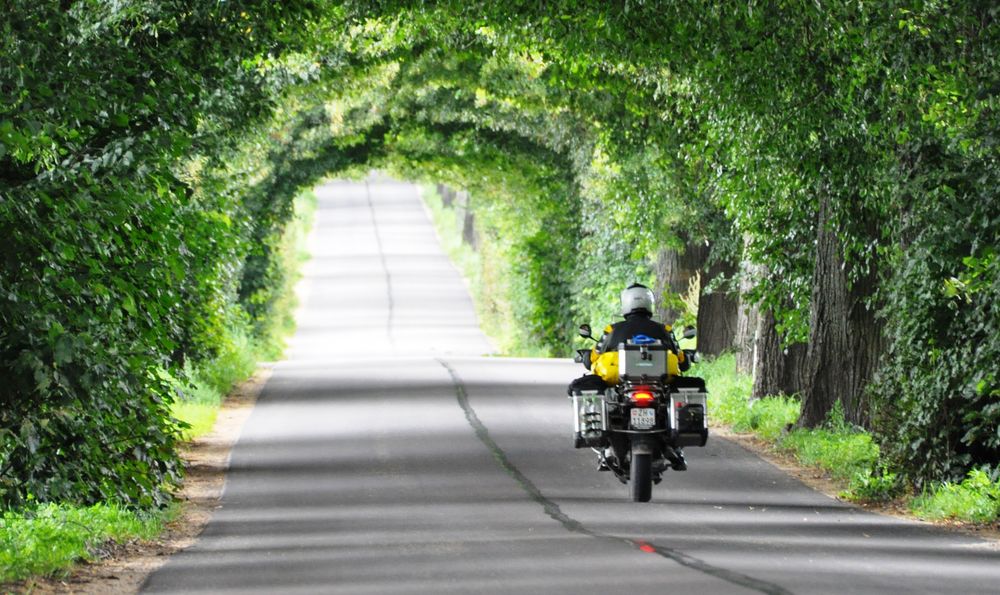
830,170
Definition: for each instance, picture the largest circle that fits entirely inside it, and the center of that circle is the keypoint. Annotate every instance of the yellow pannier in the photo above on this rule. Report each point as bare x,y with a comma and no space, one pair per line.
606,367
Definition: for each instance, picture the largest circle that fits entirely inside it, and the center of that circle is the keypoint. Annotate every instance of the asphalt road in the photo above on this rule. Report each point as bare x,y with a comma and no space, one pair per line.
387,455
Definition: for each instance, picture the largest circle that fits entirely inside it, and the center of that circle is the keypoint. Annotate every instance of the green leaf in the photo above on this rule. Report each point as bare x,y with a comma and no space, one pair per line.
64,348
128,304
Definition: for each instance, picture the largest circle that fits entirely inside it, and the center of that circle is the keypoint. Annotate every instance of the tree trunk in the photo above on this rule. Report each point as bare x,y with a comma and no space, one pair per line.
447,195
793,378
769,369
845,335
463,202
747,316
777,370
674,271
717,312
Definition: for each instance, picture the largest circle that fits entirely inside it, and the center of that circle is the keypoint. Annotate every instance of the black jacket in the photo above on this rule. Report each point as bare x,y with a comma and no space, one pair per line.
639,324
635,324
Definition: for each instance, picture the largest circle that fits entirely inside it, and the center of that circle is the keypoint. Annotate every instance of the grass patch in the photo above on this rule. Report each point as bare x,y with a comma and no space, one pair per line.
729,394
843,453
198,417
848,453
209,383
975,500
48,539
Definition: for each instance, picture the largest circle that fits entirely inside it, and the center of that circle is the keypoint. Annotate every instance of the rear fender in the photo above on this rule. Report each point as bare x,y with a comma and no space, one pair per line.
642,445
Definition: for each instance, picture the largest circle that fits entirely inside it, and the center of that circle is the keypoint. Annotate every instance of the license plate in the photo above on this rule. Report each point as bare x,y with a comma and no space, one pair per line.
643,419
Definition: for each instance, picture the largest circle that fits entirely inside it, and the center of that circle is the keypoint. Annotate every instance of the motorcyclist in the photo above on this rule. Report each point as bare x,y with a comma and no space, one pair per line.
637,309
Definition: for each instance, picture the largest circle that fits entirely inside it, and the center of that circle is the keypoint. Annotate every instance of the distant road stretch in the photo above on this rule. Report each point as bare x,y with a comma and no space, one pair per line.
387,455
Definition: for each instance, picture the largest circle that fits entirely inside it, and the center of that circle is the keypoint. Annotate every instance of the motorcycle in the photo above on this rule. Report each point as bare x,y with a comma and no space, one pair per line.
639,425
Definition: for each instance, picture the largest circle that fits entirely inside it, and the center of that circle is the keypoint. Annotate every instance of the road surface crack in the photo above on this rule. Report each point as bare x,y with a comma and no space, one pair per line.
570,524
385,265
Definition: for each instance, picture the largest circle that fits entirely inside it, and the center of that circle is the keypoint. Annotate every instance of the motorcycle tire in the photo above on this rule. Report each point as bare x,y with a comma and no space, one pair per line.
641,477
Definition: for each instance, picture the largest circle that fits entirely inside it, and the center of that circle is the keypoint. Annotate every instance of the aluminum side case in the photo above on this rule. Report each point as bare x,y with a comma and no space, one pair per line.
689,415
590,418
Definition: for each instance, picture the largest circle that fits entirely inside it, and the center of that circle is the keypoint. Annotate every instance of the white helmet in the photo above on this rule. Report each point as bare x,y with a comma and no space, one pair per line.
635,298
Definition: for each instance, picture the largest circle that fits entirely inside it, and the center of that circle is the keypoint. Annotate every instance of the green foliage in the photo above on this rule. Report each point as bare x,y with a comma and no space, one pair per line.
874,485
839,448
150,154
126,236
942,413
846,452
975,499
731,403
46,540
208,383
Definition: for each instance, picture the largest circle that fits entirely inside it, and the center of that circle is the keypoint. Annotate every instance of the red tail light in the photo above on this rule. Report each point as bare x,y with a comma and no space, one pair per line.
642,397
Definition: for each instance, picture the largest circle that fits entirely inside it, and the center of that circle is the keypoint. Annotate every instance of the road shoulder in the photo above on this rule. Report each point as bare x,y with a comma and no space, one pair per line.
822,482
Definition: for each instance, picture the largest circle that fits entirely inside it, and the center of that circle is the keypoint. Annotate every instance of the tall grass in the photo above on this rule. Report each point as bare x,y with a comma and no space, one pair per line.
47,539
847,453
209,383
841,449
976,499
730,402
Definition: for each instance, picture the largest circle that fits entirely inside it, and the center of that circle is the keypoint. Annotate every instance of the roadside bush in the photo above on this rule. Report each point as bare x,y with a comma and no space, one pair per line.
975,499
874,485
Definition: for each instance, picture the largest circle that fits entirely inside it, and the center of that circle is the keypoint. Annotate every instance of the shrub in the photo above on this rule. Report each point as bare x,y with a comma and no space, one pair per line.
976,499
873,485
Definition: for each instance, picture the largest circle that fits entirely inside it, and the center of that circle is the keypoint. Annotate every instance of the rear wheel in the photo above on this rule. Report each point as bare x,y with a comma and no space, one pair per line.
641,477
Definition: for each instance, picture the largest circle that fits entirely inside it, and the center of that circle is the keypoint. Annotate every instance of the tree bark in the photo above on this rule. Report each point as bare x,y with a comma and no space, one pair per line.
447,195
845,335
747,316
674,271
793,379
717,312
776,370
463,201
